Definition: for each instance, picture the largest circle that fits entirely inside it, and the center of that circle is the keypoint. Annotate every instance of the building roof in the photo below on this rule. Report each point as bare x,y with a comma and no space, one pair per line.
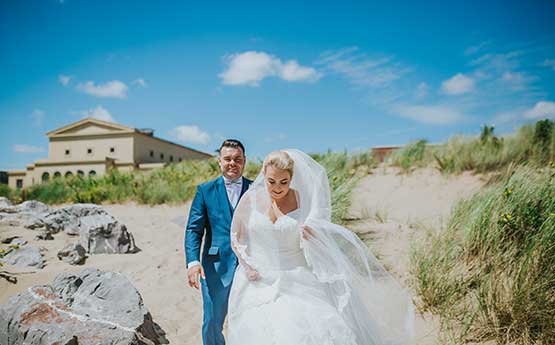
66,131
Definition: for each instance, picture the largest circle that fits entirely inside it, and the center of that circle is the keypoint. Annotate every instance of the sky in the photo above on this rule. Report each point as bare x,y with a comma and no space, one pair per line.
312,75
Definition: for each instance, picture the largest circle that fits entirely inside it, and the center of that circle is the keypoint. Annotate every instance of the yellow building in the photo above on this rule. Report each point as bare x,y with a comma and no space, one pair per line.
91,147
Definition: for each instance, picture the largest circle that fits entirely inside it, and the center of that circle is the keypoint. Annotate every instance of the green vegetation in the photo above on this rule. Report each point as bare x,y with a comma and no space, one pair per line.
177,183
532,144
490,274
344,171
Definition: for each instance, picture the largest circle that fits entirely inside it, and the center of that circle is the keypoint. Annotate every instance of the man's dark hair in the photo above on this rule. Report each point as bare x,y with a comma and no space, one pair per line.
233,143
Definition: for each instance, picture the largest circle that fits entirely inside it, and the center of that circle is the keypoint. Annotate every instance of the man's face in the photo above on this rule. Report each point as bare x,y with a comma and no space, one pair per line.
232,162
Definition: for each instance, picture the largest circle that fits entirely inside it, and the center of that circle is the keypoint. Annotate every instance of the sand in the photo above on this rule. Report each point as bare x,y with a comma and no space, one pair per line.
391,210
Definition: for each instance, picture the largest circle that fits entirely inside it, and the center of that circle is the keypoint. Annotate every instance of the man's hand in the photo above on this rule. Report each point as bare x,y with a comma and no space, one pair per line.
193,273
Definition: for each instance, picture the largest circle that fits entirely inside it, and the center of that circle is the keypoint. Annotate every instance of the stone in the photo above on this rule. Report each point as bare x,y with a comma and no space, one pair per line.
25,257
73,254
88,308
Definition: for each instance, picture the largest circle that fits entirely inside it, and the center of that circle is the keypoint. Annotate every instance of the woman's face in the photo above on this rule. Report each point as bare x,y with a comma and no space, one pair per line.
277,182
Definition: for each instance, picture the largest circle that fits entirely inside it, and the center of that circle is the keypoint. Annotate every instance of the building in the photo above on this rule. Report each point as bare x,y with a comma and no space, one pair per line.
91,147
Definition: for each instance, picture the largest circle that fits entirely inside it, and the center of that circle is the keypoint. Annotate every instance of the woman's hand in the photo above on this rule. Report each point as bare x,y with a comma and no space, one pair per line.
252,275
308,232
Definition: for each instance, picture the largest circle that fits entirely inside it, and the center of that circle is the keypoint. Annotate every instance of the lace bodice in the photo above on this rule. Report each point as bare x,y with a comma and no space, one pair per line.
276,246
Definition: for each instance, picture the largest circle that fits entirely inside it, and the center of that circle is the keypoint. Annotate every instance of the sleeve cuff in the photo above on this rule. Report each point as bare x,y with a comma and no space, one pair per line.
193,263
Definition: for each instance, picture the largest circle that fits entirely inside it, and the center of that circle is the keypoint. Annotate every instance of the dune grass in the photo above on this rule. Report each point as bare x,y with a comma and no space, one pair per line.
176,183
531,144
490,274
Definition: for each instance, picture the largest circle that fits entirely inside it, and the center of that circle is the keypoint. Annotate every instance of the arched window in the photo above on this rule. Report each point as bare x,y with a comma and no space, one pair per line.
57,174
80,173
68,174
92,173
45,176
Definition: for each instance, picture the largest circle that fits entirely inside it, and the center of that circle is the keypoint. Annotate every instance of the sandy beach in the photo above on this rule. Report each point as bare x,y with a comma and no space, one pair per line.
390,210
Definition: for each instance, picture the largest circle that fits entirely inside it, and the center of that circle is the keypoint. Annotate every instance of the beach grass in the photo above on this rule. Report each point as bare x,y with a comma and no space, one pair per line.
531,144
490,274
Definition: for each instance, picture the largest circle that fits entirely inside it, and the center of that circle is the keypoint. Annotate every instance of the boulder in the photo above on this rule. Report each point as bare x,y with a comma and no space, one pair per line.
73,254
25,257
88,308
44,235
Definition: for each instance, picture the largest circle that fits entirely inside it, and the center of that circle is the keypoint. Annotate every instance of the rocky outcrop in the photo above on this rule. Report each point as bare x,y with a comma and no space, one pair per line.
73,254
88,308
25,257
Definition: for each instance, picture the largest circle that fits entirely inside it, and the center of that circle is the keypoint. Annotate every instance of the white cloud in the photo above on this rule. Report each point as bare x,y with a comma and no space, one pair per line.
422,90
140,82
361,70
111,89
251,67
474,49
22,148
542,109
64,79
192,134
430,114
37,116
517,80
457,85
549,63
98,113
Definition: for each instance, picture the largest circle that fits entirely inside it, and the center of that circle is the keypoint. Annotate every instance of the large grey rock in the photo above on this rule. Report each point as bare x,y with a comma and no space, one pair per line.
33,206
5,202
25,257
101,235
68,218
73,254
88,308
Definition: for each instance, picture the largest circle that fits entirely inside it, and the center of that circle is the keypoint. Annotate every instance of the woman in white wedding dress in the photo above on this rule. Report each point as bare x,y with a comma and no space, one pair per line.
303,280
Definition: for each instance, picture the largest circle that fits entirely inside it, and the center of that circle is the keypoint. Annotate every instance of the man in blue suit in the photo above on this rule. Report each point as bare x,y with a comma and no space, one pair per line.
210,219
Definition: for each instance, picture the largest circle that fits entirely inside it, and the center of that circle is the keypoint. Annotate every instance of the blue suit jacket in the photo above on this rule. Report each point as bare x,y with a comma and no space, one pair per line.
210,217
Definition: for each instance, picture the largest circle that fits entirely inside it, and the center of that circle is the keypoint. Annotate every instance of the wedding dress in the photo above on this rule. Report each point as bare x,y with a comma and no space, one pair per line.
323,290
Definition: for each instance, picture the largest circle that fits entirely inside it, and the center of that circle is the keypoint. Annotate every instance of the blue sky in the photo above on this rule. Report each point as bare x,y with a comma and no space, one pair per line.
313,75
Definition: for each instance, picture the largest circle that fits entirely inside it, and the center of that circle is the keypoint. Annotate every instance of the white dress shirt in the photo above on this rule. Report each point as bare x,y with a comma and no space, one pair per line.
233,188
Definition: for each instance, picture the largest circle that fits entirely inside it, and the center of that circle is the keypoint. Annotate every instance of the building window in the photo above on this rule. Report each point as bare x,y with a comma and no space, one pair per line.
89,151
68,174
112,149
180,159
151,153
80,173
92,173
67,152
171,158
161,156
45,176
57,174
19,183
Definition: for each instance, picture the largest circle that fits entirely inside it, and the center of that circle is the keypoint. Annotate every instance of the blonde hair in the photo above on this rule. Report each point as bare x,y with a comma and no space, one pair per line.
279,160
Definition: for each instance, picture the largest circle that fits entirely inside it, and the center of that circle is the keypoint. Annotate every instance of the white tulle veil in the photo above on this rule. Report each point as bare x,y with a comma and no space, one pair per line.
374,305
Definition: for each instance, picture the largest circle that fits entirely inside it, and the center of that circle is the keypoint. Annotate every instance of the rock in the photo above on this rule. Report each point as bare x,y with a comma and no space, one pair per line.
6,205
18,241
9,240
73,254
44,235
88,308
5,202
25,257
101,237
33,206
69,218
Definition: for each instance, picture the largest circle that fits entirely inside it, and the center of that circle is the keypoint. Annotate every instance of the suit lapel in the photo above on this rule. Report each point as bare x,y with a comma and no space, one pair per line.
223,200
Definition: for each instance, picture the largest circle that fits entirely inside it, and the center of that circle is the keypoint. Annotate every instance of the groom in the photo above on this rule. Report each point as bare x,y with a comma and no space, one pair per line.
210,218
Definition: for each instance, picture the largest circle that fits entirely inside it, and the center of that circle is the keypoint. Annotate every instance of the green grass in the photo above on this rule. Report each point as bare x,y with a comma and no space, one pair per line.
490,274
531,144
177,183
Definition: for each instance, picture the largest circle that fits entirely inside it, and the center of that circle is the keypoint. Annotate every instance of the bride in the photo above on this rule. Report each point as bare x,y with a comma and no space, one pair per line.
302,279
